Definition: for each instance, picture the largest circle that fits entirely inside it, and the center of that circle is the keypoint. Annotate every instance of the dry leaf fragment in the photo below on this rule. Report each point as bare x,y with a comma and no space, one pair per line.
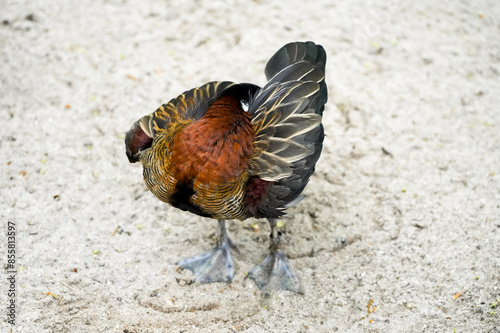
51,294
457,295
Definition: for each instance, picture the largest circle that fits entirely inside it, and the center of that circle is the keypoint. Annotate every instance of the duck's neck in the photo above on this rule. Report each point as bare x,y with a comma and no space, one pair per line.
217,146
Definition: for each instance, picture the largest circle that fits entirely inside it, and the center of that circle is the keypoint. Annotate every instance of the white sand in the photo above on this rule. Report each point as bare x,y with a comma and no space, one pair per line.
422,224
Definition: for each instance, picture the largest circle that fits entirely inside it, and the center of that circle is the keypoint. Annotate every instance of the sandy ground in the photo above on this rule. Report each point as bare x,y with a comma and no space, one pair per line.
409,176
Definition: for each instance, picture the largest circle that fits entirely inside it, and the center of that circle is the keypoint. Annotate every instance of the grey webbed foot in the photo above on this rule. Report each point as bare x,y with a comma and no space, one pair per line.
275,272
214,266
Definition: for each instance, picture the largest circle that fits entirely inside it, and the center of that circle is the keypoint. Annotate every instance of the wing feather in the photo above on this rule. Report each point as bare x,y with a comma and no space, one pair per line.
191,104
282,111
286,115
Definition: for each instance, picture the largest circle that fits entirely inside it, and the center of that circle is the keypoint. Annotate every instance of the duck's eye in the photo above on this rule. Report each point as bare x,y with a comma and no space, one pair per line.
244,104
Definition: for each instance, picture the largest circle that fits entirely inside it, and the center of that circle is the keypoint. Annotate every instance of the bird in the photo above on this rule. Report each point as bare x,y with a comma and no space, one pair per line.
229,150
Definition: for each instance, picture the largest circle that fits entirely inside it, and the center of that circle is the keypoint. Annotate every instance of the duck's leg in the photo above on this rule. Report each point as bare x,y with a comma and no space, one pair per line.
216,265
275,272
